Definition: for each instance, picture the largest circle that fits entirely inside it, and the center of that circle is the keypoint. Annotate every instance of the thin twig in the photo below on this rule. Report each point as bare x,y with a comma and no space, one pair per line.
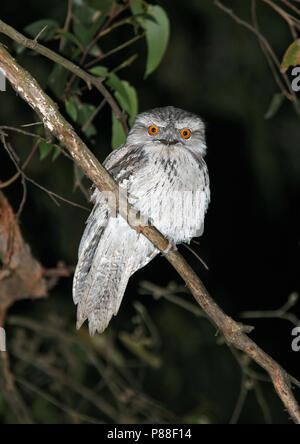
270,60
66,380
35,136
88,78
92,117
24,176
291,95
196,255
115,50
291,6
240,402
287,17
262,403
281,313
66,25
56,403
15,176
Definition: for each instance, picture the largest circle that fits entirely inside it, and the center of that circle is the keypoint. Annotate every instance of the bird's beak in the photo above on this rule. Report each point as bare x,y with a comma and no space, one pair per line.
168,138
168,141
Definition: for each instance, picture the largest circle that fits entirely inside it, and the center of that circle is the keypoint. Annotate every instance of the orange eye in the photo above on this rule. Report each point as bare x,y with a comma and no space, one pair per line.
152,130
185,133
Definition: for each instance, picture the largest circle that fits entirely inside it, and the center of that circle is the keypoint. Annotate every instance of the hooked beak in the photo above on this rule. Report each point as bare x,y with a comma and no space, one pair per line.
168,142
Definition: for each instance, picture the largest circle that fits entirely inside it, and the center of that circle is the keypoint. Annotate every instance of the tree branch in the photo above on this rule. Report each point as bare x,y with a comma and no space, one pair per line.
268,50
234,332
21,275
97,82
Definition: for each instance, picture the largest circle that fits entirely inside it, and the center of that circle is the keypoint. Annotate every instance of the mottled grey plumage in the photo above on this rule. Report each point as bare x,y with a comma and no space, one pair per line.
167,181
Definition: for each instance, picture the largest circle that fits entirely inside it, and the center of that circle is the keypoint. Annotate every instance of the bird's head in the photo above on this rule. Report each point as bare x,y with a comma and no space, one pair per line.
167,127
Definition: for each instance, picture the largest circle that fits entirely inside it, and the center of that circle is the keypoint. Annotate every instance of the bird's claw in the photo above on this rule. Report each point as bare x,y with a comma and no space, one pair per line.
171,246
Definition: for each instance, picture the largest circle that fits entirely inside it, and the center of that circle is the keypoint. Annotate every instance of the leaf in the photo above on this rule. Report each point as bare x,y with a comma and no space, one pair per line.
117,85
36,27
78,176
102,5
18,49
98,20
84,14
85,111
126,62
45,149
81,33
157,36
118,133
71,108
57,153
71,37
275,105
127,98
291,56
100,71
57,80
88,20
137,8
130,104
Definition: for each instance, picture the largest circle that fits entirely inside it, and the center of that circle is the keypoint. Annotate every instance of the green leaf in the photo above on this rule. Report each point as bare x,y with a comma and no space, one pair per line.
88,20
57,153
71,108
85,111
78,176
36,27
117,85
126,62
291,56
100,71
157,36
45,149
137,7
118,133
71,37
97,23
57,80
84,14
127,98
130,103
275,105
81,33
101,5
18,49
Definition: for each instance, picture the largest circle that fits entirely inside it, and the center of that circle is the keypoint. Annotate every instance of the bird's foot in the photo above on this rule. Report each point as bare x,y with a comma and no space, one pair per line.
171,246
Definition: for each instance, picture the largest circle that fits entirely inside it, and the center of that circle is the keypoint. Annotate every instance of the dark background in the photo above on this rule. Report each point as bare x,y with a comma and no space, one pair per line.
216,69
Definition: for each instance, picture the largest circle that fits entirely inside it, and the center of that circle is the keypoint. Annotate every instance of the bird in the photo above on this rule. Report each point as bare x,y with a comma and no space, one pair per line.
162,168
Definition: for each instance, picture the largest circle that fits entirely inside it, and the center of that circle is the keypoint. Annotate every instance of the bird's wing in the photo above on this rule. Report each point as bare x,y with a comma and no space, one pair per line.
110,251
95,227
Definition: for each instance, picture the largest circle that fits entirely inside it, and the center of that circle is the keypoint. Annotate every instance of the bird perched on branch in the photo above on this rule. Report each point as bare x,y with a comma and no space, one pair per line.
161,167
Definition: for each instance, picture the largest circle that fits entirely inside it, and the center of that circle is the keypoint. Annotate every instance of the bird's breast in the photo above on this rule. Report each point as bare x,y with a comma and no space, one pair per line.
171,190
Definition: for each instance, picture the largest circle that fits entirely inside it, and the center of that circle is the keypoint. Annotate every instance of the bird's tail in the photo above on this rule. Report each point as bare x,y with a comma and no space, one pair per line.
104,268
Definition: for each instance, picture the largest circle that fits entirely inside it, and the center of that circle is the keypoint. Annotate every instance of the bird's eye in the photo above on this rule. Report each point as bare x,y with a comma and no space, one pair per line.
185,133
152,130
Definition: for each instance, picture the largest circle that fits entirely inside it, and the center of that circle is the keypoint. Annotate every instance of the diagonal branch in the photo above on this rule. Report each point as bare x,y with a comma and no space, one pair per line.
268,50
27,87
